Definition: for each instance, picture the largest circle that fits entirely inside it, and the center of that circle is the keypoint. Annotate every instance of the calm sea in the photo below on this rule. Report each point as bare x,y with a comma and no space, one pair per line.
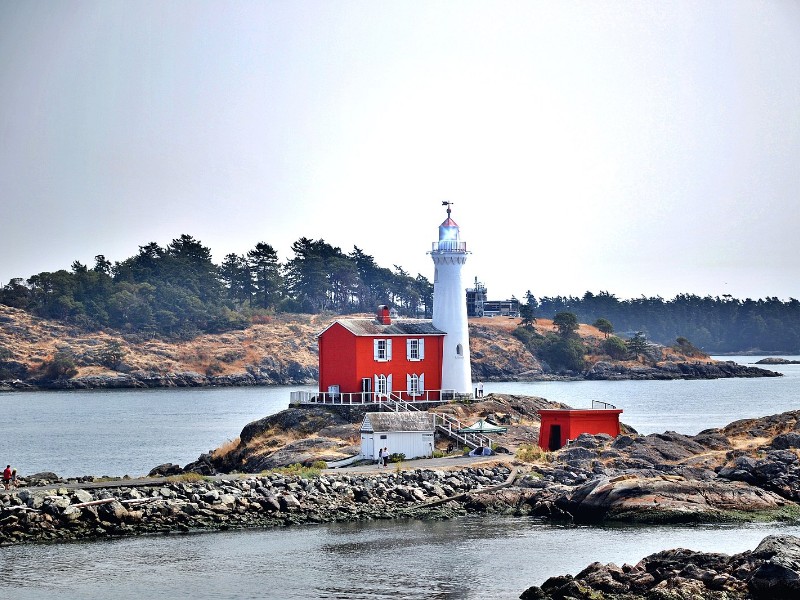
121,432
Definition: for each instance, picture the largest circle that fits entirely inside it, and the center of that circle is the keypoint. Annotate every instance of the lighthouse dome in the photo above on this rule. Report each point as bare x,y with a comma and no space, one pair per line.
449,231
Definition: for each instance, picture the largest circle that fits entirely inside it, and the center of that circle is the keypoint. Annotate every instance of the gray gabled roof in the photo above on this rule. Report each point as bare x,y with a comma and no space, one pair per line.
403,421
398,327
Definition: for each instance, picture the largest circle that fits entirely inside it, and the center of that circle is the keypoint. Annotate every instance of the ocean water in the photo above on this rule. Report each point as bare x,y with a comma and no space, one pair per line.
117,432
464,558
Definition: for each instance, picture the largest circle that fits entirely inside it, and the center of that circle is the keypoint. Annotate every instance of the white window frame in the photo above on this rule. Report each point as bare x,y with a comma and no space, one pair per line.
383,384
382,349
415,384
415,349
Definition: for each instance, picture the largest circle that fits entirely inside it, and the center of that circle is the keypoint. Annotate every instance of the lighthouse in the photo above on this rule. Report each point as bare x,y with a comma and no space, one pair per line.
450,306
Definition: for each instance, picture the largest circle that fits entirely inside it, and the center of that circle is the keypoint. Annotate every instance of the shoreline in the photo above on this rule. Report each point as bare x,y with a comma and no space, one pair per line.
81,509
601,371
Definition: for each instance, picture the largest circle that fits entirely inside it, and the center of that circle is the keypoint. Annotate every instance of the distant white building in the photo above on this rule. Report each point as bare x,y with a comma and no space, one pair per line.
409,433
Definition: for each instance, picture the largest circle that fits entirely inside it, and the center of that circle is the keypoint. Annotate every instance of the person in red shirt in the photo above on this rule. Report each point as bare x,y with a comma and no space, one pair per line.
7,477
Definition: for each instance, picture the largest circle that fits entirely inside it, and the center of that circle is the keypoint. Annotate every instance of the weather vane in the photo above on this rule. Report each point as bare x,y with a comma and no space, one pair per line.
448,204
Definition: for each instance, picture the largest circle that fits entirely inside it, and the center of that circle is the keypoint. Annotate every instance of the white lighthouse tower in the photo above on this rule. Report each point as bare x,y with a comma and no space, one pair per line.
450,306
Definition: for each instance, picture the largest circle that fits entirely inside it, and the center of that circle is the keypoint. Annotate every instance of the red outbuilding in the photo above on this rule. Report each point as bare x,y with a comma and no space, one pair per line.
375,358
560,425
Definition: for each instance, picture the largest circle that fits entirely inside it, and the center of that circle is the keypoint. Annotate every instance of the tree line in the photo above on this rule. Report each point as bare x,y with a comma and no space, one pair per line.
177,291
713,324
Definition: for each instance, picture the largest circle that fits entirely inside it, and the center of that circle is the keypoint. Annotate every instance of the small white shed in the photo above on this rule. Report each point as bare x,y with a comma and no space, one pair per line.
409,433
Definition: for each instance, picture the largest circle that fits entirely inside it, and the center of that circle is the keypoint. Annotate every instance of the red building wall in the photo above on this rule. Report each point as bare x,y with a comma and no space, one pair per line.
558,426
337,359
345,359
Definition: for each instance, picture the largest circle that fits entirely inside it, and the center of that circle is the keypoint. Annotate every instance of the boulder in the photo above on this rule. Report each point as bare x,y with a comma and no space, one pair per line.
165,470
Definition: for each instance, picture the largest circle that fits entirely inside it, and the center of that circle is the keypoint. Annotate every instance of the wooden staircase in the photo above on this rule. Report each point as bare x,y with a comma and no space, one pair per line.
447,425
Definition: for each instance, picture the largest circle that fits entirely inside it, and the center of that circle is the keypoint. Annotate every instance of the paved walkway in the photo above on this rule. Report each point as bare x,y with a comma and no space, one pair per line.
449,462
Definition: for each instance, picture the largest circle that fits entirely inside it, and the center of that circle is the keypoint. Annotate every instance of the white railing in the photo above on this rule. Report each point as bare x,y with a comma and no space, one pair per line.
401,402
449,246
305,397
445,423
598,404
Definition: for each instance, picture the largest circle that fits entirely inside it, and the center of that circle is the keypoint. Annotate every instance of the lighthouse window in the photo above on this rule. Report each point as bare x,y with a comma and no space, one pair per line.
459,350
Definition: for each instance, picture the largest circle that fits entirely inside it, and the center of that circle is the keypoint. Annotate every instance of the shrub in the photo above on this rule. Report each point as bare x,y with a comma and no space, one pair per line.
61,366
563,353
397,457
530,453
528,336
614,347
111,355
214,369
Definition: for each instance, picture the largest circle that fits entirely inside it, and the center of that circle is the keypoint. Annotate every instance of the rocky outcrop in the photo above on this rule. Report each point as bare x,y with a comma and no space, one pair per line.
668,499
748,469
604,370
770,572
294,435
774,360
276,499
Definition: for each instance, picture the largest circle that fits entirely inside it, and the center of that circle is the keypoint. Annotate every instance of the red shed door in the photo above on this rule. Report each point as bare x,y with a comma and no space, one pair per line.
555,437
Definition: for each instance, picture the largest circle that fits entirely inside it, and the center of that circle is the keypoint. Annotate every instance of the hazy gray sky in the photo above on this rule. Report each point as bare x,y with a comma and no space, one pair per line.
636,147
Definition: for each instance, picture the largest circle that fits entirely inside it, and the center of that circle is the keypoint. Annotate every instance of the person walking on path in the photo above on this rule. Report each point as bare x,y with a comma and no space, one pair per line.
380,457
7,477
385,456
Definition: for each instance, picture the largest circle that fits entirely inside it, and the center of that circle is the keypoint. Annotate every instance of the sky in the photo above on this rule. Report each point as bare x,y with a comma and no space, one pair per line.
639,148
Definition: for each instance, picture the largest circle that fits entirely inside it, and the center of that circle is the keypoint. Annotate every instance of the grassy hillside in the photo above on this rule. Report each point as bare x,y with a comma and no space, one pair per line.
280,350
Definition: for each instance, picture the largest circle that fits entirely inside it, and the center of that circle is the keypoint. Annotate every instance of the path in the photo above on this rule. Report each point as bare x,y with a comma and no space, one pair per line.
451,462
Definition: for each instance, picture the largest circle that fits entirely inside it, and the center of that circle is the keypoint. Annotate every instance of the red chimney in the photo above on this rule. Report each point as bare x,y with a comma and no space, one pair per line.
383,315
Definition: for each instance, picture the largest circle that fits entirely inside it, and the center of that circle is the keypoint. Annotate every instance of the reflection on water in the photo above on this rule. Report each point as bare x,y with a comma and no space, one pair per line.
471,557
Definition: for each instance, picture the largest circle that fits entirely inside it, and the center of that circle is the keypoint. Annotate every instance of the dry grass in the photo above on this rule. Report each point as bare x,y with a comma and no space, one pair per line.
528,453
226,448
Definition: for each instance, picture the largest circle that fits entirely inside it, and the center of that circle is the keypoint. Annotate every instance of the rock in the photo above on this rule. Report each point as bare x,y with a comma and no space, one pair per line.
81,496
769,572
165,470
786,440
656,500
778,577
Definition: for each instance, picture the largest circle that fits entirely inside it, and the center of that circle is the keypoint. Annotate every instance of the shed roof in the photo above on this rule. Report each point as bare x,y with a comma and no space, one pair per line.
367,327
400,421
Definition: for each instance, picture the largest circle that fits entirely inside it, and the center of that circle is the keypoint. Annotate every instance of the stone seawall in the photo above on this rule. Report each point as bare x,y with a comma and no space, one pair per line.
60,514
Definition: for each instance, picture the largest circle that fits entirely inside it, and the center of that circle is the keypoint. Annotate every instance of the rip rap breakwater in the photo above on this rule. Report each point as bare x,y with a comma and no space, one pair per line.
60,514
